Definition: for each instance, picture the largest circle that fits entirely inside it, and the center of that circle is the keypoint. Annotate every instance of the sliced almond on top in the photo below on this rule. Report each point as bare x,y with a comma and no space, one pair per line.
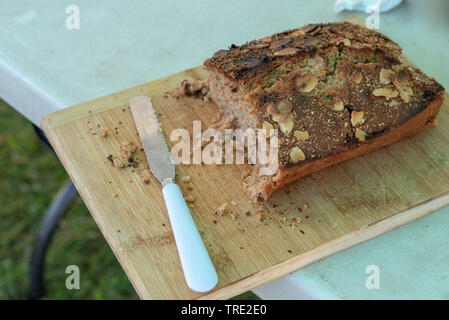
286,52
296,155
297,33
279,117
279,43
311,41
311,28
409,91
271,109
258,46
404,95
275,114
280,111
360,134
266,126
356,76
301,135
286,125
306,83
394,103
284,106
338,105
400,81
388,93
386,76
357,118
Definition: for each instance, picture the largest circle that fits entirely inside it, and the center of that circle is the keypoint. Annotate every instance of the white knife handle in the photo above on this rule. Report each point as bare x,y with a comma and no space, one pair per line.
199,271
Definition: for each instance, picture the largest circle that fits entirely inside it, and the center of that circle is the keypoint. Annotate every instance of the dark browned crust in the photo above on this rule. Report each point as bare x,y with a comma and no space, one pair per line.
309,72
422,121
249,63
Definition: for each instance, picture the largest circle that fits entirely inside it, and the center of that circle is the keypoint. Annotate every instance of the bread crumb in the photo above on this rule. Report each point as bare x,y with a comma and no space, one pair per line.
233,216
234,203
189,198
222,210
127,151
104,133
146,181
295,221
226,122
118,163
259,214
185,179
190,87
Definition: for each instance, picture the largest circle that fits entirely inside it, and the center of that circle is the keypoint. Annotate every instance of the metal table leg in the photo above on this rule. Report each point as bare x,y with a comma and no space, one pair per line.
49,223
59,206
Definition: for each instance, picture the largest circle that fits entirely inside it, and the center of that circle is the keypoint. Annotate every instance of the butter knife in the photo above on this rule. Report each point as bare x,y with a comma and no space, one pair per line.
199,271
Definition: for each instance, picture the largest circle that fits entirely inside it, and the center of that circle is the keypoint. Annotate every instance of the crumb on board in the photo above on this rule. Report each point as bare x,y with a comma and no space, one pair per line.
259,215
221,210
190,87
118,163
247,213
104,132
233,216
127,150
185,179
189,198
146,181
234,203
245,174
295,221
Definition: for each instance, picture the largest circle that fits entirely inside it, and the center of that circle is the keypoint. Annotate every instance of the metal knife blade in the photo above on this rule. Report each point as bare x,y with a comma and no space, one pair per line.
152,137
199,271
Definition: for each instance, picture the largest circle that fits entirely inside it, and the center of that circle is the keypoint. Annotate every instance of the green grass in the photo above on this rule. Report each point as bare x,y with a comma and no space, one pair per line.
30,175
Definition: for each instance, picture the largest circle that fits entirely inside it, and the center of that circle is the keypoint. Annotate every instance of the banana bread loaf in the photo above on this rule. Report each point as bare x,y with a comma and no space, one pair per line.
333,91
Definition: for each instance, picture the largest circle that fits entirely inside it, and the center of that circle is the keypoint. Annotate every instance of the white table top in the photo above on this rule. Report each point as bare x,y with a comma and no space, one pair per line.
45,67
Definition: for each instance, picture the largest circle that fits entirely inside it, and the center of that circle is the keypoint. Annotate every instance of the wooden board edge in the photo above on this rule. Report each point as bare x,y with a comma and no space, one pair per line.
141,290
329,248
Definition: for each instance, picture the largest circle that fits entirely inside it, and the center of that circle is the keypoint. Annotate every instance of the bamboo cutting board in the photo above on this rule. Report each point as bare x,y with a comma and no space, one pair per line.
334,209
